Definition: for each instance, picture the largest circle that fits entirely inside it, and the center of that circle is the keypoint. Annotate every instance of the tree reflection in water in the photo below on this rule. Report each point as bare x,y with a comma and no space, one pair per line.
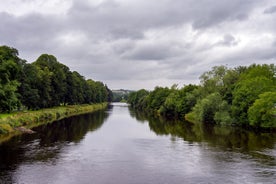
227,138
48,141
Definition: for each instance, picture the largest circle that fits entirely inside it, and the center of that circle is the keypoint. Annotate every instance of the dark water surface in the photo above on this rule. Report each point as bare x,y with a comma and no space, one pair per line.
120,146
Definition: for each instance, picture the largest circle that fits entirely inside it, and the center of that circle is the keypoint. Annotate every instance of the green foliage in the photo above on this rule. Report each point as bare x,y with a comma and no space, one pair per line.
223,114
138,99
171,105
263,112
212,109
212,81
180,102
28,90
256,80
224,96
31,119
220,80
10,67
223,136
44,83
165,101
55,75
156,98
8,96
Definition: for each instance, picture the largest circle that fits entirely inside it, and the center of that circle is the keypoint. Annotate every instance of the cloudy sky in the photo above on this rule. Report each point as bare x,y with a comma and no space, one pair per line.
133,44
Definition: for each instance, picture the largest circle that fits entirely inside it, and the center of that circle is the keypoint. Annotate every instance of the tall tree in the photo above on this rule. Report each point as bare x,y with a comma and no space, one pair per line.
10,68
58,77
29,88
256,80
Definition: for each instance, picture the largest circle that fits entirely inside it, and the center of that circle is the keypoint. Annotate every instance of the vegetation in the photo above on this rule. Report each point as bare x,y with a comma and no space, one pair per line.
214,135
11,124
244,96
44,83
263,112
120,95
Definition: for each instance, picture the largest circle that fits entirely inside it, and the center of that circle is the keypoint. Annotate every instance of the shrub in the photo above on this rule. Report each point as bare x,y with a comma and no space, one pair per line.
263,112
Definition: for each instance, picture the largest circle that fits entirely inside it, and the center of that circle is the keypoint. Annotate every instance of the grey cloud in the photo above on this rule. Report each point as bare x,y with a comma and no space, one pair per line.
209,13
258,55
108,20
30,33
112,20
122,47
228,40
274,44
151,52
187,71
109,41
121,70
270,10
189,66
131,19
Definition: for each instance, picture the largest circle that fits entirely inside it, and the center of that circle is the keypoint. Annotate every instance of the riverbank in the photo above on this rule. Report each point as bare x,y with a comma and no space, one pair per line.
13,124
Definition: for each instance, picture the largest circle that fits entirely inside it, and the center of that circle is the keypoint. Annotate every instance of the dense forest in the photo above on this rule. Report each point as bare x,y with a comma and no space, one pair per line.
244,96
44,83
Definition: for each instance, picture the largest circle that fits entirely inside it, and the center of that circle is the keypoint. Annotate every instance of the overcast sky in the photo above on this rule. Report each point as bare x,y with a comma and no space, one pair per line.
134,44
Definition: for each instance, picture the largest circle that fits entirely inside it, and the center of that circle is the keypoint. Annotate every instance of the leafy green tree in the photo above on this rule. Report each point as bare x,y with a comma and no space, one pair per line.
230,78
138,99
223,97
212,81
222,80
263,112
58,78
8,97
171,104
10,68
97,92
180,101
90,91
43,85
212,109
223,114
188,98
102,94
157,97
29,93
78,88
71,93
256,80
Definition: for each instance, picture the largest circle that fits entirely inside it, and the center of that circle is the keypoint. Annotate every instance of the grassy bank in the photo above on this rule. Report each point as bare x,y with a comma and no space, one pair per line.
10,124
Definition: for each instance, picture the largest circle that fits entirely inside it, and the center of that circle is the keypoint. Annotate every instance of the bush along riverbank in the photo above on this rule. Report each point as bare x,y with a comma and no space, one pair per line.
22,122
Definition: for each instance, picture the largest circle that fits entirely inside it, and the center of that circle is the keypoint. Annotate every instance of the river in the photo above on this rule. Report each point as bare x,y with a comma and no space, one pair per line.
121,146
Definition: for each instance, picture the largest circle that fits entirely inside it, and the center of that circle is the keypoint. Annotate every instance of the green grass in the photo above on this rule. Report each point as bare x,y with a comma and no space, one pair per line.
30,119
5,115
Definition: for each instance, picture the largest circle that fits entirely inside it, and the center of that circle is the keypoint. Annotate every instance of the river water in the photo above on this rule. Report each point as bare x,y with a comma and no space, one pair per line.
121,146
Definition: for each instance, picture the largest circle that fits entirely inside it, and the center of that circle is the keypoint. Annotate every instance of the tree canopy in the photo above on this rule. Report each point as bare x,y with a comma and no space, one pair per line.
242,96
44,83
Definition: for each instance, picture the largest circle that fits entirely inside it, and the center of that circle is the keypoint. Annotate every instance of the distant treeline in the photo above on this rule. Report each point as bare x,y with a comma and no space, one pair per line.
120,95
44,83
244,96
